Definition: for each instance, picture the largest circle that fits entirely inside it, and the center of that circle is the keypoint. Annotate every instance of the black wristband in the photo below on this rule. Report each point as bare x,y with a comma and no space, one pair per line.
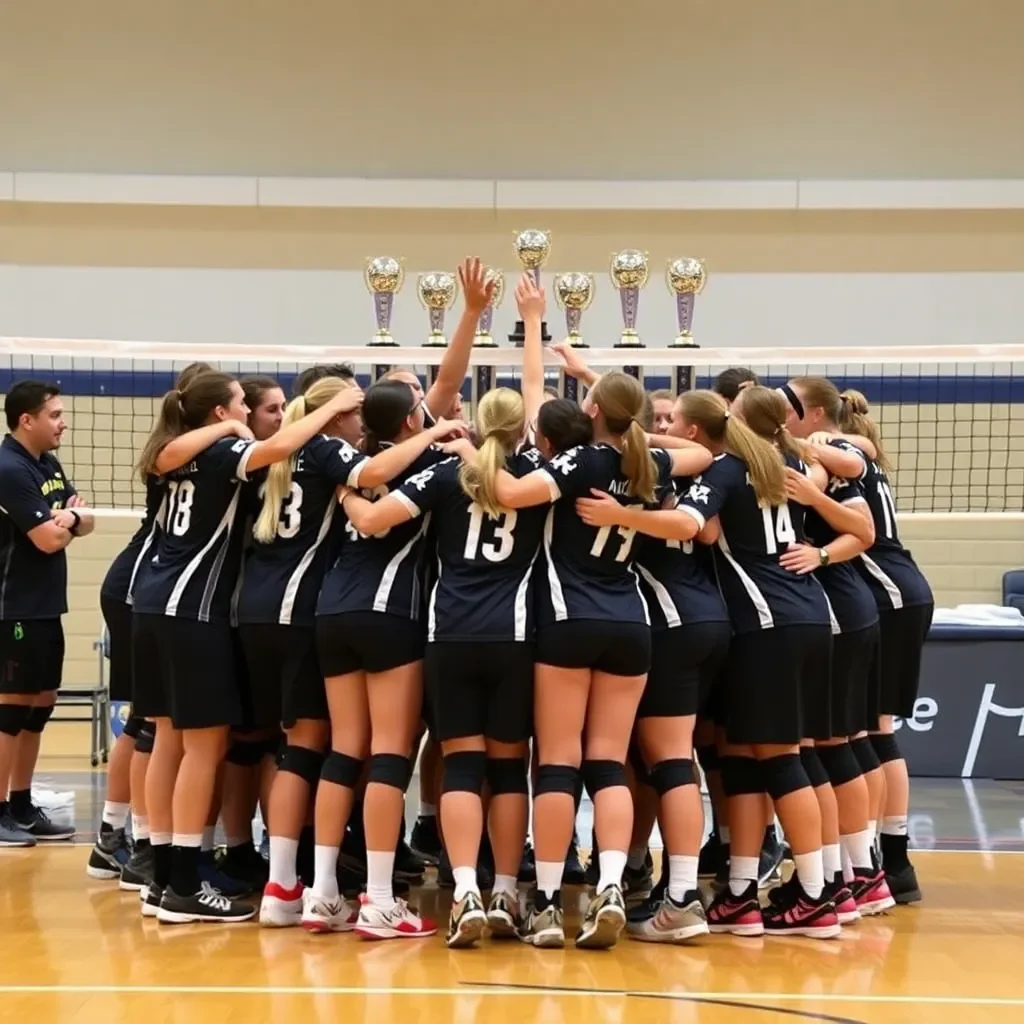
78,522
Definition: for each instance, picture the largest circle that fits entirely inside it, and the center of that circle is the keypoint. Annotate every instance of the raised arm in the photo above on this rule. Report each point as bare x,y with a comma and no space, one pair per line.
575,364
848,465
476,293
389,462
530,301
667,524
536,488
690,461
853,518
184,448
373,517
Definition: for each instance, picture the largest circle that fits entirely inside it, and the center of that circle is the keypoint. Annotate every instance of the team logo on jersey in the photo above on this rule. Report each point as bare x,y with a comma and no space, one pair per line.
563,462
420,480
699,492
346,452
836,483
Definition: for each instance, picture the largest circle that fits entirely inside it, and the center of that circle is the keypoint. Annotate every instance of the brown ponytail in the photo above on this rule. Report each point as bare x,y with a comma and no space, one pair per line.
855,418
620,399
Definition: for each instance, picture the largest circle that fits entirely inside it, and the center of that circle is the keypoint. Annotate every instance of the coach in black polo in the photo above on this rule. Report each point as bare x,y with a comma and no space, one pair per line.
40,514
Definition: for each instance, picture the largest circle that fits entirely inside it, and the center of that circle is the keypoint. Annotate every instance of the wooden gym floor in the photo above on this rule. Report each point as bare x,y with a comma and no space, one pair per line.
76,950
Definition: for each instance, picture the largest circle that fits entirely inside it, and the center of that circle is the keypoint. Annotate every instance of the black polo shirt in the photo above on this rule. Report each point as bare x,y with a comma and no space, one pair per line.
33,585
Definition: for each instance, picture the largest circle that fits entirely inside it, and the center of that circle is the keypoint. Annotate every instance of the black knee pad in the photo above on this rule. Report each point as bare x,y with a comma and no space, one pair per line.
668,775
301,761
145,737
783,775
864,750
390,770
558,778
506,775
840,764
741,776
132,727
246,753
464,772
598,775
709,759
37,719
341,769
13,718
885,746
813,767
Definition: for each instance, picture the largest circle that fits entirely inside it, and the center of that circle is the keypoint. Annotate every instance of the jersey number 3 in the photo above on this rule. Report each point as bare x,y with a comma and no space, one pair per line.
500,546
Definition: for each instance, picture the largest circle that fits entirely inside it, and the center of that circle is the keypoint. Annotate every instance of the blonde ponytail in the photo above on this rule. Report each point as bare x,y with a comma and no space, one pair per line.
279,475
855,418
765,467
638,464
500,421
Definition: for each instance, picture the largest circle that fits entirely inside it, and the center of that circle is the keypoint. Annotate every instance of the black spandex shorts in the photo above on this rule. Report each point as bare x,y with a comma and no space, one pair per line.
854,665
903,632
618,648
779,685
686,663
285,681
118,617
480,688
31,656
367,642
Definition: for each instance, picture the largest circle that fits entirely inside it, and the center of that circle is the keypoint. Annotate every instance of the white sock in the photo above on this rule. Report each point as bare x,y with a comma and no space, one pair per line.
858,848
160,839
742,871
810,869
844,854
140,827
682,875
380,865
549,876
282,861
612,864
895,826
325,876
872,831
186,839
637,856
115,815
465,883
208,838
832,860
723,833
428,810
507,884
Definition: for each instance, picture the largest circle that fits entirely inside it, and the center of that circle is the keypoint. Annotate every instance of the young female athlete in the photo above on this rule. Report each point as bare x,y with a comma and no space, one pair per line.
593,649
297,537
265,400
479,660
182,646
779,656
834,542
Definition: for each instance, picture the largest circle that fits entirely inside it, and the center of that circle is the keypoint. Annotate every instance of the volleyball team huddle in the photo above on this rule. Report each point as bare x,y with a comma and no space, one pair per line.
303,597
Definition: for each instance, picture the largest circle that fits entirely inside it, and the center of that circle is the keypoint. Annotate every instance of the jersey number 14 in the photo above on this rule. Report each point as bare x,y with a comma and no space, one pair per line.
778,528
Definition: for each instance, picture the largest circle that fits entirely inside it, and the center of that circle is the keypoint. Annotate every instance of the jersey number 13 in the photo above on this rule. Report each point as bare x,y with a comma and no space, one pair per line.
500,545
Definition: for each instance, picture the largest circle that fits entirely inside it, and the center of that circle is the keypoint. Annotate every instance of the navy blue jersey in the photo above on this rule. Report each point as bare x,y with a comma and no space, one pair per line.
887,566
758,592
33,584
587,571
281,580
851,600
194,567
383,573
481,585
119,583
674,577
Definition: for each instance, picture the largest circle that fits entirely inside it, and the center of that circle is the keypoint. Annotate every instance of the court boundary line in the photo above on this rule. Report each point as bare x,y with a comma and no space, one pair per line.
483,989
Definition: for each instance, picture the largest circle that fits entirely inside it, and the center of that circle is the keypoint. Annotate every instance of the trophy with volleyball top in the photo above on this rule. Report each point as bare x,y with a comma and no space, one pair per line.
483,337
686,278
532,248
629,272
437,290
574,292
384,276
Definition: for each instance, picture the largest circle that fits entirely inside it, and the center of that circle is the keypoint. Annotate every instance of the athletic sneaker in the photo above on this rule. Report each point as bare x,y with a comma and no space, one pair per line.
769,859
205,905
871,891
638,882
799,914
902,884
592,874
710,859
37,823
109,855
503,916
320,915
281,907
149,899
138,872
544,926
12,834
244,864
644,911
604,920
409,864
528,866
842,899
212,873
672,922
466,922
426,840
736,915
573,873
400,922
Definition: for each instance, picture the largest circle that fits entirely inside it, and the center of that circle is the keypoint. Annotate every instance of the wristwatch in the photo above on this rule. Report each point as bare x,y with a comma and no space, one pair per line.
823,555
78,522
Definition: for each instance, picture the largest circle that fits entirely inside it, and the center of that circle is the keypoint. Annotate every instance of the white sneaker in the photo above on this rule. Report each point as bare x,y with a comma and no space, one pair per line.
400,922
51,799
324,915
281,907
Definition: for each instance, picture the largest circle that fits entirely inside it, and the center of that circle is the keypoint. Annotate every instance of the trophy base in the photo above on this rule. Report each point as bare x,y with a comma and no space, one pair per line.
576,341
484,341
382,339
683,340
436,341
518,335
629,339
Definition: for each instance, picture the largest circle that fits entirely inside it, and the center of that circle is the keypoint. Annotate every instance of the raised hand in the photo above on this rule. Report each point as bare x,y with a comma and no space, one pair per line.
530,299
347,400
452,429
477,289
575,364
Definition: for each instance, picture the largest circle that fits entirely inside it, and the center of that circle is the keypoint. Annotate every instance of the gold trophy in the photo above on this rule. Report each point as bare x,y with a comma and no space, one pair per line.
574,292
383,276
483,337
686,278
437,292
629,272
532,250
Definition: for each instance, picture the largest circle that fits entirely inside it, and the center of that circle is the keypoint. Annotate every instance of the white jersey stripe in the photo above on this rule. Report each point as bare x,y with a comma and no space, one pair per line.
665,602
888,583
291,590
147,544
380,599
520,609
554,583
764,613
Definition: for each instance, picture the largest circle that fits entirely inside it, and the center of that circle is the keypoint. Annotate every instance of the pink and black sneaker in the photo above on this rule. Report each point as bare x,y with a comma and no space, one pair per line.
846,906
799,914
871,891
736,915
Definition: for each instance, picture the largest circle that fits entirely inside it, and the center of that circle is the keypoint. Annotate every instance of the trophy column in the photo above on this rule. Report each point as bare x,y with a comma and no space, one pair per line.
686,279
532,250
574,292
437,291
383,276
629,272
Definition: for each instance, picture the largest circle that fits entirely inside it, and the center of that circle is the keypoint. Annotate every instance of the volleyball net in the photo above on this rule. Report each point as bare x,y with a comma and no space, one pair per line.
952,417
